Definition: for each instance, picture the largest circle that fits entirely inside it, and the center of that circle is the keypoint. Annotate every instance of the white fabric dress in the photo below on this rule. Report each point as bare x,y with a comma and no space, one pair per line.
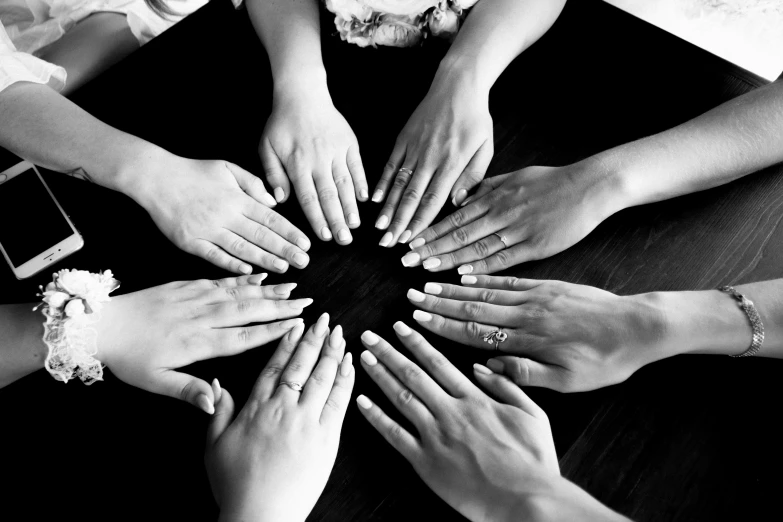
30,25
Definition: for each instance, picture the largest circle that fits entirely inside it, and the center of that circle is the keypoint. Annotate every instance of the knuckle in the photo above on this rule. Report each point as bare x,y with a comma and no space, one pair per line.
213,255
390,166
272,371
214,283
395,433
259,235
308,198
295,366
460,236
430,198
404,397
327,194
231,292
244,306
411,195
511,283
457,219
473,309
437,361
184,393
488,295
332,404
243,335
481,249
411,373
239,246
472,330
342,180
503,258
319,379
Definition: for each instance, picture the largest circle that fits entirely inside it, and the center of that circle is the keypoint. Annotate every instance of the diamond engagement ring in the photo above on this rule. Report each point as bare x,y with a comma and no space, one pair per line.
495,337
502,239
297,387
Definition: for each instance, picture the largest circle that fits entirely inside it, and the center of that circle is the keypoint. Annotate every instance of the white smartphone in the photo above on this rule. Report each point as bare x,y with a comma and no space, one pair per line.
34,230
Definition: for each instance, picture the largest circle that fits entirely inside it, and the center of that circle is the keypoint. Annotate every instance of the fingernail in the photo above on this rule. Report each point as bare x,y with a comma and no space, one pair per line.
291,323
386,239
345,366
353,219
402,329
370,338
423,317
284,289
279,194
267,199
454,201
431,263
246,269
256,279
460,197
363,194
301,303
303,243
216,389
416,243
363,402
336,336
377,196
465,269
296,333
205,404
280,264
411,259
368,358
326,233
343,235
300,259
466,201
382,222
405,236
469,280
495,365
415,296
321,325
432,288
482,369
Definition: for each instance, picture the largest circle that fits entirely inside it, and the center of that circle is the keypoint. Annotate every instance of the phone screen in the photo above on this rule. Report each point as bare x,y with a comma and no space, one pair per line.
30,221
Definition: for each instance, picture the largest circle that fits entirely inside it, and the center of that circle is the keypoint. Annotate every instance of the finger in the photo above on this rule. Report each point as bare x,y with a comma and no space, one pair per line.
240,247
221,419
346,191
405,443
506,391
431,203
186,388
281,250
268,380
277,224
237,313
337,403
308,200
390,171
520,253
304,359
354,161
321,381
329,199
248,291
218,257
230,282
485,295
406,199
501,283
231,341
465,310
455,221
445,373
400,183
251,185
527,372
481,249
470,333
274,171
485,187
472,240
410,375
473,173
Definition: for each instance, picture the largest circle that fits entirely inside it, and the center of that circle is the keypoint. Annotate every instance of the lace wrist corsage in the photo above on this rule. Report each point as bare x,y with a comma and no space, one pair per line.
71,304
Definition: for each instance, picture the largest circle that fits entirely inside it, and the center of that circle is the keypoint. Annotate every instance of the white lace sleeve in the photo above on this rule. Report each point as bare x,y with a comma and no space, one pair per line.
23,67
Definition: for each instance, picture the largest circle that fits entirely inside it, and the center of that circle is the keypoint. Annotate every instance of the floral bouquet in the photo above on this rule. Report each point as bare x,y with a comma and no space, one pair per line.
397,23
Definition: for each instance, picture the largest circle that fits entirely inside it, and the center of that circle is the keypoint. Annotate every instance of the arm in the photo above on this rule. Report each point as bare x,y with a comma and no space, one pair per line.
21,349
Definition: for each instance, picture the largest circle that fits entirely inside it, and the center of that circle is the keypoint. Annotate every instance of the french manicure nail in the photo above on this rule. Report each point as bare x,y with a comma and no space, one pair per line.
468,200
423,317
386,239
345,366
454,201
410,259
363,194
280,264
301,259
432,262
326,233
291,323
416,243
301,303
256,279
402,329
495,365
246,269
370,338
465,269
482,369
432,288
336,336
205,404
321,325
377,196
382,222
405,236
363,402
216,389
469,280
368,358
343,235
460,196
279,194
284,289
353,219
268,200
296,333
415,296
303,243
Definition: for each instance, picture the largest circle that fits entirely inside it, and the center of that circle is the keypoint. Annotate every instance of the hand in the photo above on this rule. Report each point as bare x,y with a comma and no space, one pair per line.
538,211
307,141
561,336
220,212
447,144
143,337
272,461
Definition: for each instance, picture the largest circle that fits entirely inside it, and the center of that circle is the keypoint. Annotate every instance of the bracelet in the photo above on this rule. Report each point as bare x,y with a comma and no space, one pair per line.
71,303
753,316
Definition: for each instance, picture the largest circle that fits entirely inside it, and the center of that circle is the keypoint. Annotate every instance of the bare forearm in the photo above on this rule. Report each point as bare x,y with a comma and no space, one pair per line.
22,350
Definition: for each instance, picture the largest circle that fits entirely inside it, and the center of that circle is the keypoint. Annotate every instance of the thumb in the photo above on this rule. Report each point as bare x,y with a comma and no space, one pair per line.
472,174
252,186
275,173
526,372
486,186
187,388
224,413
504,390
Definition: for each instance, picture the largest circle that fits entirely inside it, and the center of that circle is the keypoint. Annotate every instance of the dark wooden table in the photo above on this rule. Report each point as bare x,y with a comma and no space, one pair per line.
691,438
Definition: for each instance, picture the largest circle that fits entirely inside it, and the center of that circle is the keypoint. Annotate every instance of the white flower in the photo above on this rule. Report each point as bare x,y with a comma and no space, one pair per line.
55,299
401,7
51,287
77,282
74,308
348,9
464,4
398,31
444,24
352,32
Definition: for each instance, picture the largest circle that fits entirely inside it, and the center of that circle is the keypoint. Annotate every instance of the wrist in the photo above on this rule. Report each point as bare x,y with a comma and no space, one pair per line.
602,183
562,501
461,74
306,82
137,169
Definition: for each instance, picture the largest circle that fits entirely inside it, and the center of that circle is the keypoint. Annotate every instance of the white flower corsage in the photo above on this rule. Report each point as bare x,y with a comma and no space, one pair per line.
397,23
71,303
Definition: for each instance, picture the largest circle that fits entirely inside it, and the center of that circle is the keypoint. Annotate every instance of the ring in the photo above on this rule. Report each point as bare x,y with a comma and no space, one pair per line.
293,385
495,337
406,170
502,239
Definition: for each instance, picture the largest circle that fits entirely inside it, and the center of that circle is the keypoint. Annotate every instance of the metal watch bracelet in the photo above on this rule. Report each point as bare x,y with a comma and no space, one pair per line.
753,316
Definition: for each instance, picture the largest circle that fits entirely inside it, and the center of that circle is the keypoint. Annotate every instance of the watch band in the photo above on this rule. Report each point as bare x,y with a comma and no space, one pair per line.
753,316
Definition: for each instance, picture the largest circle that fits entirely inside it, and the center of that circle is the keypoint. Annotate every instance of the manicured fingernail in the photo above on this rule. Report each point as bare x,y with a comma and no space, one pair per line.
495,365
469,280
303,243
290,323
415,296
301,259
416,243
405,236
205,404
402,329
432,288
363,402
423,317
345,366
482,369
465,269
353,219
284,289
268,200
280,264
363,195
326,233
256,279
217,390
337,335
460,197
431,263
368,358
279,194
467,201
386,239
370,338
301,303
382,223
377,196
321,325
411,259
296,333
343,235
246,269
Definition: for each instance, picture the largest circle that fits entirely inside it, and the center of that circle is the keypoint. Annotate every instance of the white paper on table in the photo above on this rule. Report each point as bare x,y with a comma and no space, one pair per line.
748,33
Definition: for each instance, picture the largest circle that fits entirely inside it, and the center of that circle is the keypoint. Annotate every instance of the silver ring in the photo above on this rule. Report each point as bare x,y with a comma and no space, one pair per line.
405,170
297,387
495,337
502,239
